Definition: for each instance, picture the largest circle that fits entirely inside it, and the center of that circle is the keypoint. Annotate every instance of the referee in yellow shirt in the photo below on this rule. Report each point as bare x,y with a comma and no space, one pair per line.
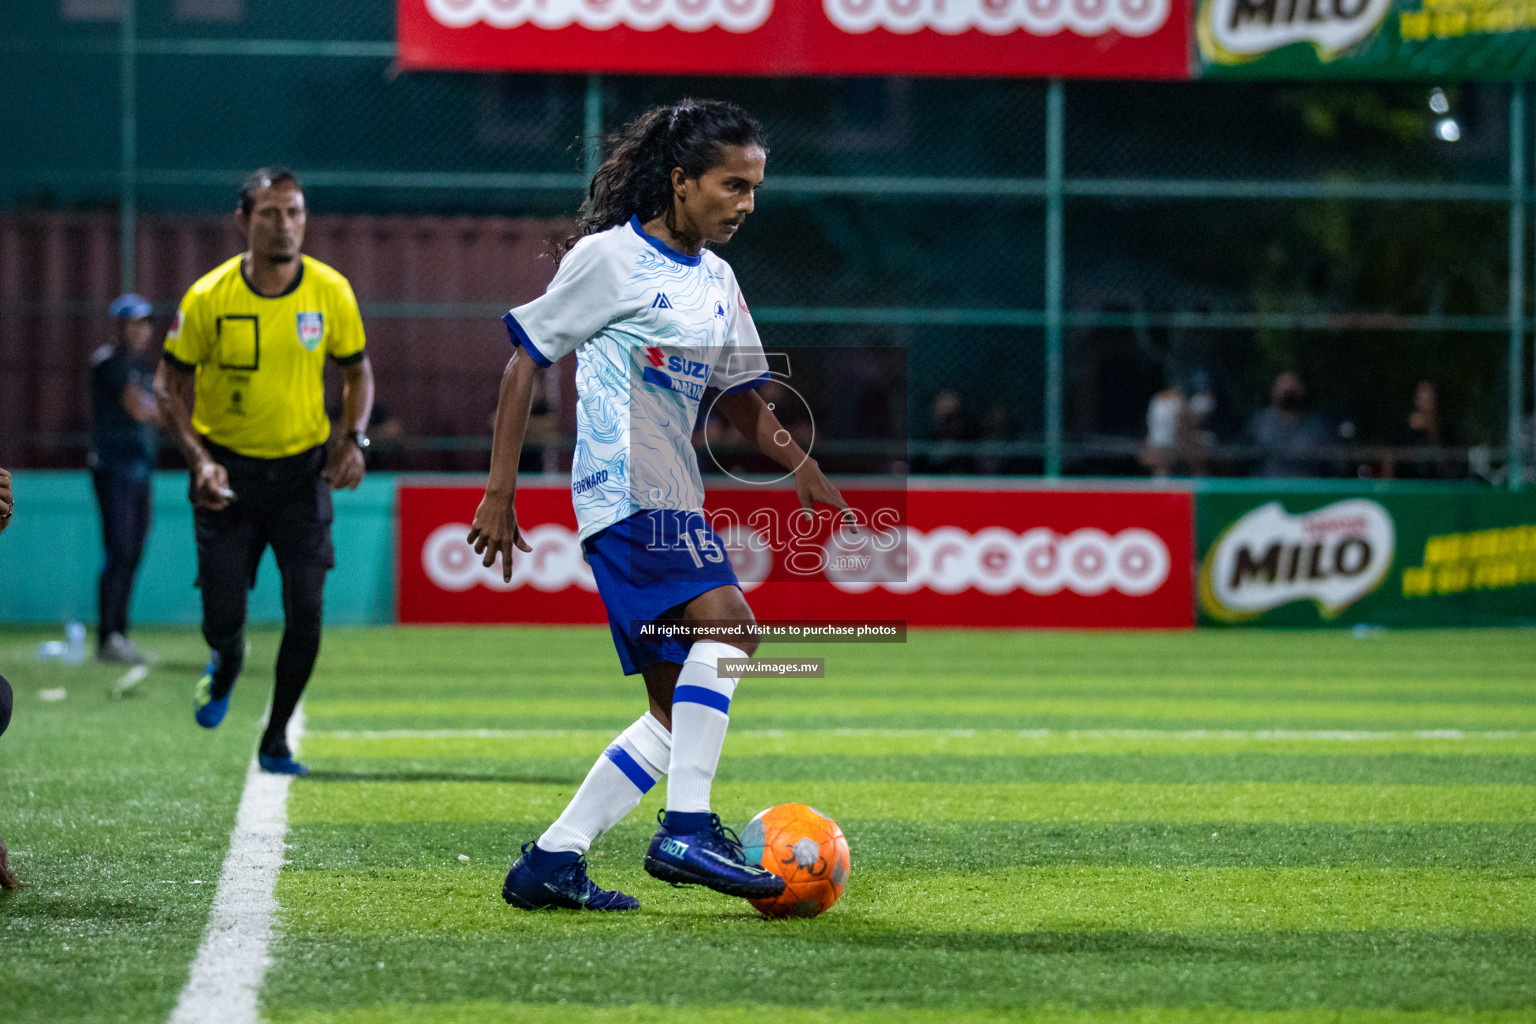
252,337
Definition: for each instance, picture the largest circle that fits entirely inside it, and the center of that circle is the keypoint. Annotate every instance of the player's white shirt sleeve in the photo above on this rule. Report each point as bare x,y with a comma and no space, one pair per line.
584,297
741,365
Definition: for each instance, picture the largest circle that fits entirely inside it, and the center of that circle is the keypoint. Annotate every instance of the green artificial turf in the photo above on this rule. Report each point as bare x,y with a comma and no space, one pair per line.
117,813
1245,827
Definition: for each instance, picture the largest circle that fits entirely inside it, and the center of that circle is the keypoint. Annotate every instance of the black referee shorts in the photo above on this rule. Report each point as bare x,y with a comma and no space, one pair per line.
283,502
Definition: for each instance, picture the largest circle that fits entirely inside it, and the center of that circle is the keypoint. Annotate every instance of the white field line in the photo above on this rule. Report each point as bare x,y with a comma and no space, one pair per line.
226,977
1193,735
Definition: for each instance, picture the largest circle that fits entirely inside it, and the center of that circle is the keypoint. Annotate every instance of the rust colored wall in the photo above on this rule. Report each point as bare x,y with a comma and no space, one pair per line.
436,376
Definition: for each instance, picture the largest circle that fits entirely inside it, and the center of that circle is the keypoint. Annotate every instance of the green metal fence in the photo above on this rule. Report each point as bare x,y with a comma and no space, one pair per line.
1052,254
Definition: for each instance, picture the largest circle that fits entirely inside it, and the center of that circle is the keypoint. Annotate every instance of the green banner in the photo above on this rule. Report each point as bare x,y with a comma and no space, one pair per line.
1461,558
1438,40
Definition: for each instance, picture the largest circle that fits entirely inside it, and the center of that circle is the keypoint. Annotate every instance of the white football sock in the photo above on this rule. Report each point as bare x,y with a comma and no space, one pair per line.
701,706
625,773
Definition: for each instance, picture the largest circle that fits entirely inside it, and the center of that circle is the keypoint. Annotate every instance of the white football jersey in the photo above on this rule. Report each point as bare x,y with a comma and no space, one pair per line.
651,328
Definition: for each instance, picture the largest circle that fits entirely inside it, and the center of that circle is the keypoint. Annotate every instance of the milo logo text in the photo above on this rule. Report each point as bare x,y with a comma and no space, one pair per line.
1333,557
1237,31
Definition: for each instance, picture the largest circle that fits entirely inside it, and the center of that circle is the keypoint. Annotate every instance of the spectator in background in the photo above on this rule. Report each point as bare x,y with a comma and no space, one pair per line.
1200,422
1165,431
1179,433
1421,429
997,427
122,464
948,420
1287,434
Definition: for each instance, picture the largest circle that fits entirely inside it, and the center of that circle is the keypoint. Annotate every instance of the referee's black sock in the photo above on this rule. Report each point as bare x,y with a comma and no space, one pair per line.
295,661
302,596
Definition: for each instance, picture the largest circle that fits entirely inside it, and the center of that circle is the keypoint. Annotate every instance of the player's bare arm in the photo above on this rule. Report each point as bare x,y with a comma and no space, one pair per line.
7,502
210,481
750,415
495,527
345,467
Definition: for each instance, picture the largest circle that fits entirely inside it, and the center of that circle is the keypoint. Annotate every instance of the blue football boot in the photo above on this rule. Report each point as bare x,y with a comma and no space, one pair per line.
280,763
559,880
710,856
208,711
277,759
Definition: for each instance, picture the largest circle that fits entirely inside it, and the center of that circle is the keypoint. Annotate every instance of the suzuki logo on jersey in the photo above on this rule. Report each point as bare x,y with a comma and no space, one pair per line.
661,301
688,367
311,327
663,367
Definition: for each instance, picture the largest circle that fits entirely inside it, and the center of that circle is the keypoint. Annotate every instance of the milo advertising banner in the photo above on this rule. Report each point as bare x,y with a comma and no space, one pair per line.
1457,558
1443,40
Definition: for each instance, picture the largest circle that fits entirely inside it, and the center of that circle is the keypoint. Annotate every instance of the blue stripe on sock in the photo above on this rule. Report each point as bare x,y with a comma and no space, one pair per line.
630,767
703,695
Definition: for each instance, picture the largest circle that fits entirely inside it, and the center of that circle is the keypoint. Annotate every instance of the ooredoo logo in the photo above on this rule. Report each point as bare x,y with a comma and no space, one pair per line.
1332,556
554,564
643,15
1001,17
1134,562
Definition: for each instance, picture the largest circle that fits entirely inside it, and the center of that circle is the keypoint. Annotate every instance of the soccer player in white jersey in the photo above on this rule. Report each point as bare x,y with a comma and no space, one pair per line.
654,316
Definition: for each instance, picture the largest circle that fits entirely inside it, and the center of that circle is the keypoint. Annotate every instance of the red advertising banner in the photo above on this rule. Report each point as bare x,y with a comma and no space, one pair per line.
1004,38
995,558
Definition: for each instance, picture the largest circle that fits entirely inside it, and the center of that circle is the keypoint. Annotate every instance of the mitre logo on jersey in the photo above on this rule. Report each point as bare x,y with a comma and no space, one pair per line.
1333,557
311,328
1238,31
598,15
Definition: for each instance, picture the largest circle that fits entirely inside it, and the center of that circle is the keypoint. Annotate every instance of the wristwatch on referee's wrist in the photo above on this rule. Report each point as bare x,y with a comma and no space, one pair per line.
359,438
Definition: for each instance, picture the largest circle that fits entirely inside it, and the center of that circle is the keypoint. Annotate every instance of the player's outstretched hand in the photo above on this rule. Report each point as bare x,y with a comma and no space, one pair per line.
210,486
495,530
7,501
344,469
813,488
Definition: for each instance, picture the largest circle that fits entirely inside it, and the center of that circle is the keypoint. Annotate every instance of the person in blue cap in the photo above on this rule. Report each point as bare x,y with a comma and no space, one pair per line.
122,459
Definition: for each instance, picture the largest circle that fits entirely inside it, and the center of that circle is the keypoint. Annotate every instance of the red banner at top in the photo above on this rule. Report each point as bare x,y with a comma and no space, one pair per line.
1006,38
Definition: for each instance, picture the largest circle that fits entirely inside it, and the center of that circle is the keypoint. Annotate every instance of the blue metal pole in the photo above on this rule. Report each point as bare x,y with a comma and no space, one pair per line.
1055,260
1516,459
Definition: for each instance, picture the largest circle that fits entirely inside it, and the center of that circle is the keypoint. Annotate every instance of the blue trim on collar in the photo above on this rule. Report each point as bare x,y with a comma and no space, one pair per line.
662,247
520,337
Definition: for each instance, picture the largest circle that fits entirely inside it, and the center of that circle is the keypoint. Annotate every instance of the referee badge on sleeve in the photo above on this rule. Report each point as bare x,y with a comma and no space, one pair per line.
311,327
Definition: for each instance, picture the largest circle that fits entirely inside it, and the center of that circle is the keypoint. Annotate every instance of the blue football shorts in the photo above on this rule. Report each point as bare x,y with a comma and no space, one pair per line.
648,565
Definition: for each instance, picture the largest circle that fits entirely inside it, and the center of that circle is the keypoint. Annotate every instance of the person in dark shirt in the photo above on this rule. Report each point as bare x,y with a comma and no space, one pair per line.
122,465
1420,441
1287,433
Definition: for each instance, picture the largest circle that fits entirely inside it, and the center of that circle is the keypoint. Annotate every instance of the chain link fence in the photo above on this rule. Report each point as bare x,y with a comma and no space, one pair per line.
1089,278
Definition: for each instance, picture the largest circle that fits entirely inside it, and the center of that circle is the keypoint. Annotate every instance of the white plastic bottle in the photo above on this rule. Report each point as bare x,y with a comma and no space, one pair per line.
74,642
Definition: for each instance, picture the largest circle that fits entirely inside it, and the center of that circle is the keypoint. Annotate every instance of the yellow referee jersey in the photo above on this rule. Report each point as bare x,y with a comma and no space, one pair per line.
260,362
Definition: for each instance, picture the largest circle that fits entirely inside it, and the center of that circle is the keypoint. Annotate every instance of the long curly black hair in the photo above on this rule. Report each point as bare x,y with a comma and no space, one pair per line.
636,176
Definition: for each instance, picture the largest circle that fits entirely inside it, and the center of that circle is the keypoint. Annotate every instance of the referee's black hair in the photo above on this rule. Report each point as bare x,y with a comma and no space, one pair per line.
265,177
636,176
